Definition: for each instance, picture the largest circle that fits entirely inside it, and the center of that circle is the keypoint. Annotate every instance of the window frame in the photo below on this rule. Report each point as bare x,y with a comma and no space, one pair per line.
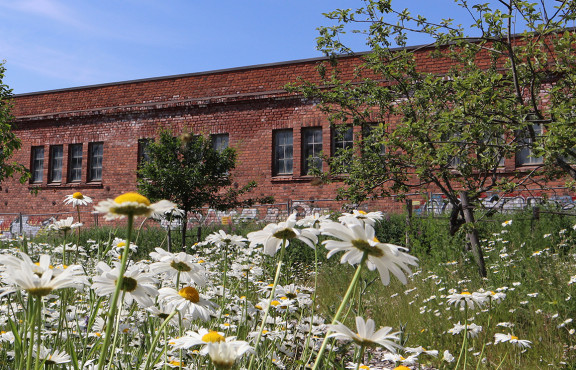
75,162
311,149
220,142
56,164
37,164
95,162
286,160
523,155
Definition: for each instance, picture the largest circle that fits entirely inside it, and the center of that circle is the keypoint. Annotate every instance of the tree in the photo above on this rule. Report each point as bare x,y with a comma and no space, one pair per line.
190,172
8,140
451,130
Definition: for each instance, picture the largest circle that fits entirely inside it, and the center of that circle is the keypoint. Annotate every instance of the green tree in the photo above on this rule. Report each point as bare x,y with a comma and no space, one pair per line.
8,140
187,170
451,130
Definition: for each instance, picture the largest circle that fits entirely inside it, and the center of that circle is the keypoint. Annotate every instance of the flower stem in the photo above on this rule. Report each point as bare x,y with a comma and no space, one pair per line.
155,340
114,300
276,278
345,300
361,357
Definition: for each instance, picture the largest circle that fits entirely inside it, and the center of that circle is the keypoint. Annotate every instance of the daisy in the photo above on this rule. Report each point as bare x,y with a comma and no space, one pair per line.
369,218
220,239
178,265
64,225
40,280
467,299
272,236
136,285
448,357
200,338
521,343
225,354
187,300
52,358
357,239
365,335
77,199
131,204
314,220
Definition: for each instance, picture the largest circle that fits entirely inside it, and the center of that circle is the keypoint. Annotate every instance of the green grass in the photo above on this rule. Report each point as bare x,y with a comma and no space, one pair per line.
512,261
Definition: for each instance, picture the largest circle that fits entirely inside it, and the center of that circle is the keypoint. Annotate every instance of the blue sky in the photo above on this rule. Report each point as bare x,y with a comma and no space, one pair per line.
53,44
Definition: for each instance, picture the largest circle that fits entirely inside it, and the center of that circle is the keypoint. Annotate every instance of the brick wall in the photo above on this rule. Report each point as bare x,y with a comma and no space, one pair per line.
246,103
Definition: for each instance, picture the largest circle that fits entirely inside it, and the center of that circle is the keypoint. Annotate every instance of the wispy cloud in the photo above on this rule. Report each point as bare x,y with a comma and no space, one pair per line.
48,9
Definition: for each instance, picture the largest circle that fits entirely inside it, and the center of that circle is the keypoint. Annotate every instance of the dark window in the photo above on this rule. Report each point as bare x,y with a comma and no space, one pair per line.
311,149
283,152
75,162
56,160
220,141
96,153
524,156
37,164
342,138
143,153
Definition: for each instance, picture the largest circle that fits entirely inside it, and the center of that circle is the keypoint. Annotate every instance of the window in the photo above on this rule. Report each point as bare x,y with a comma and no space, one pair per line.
342,138
75,162
56,159
524,156
143,154
220,142
95,155
283,152
311,149
37,166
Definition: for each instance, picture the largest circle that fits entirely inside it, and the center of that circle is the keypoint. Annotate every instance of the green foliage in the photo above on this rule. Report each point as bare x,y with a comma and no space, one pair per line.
450,129
8,140
190,172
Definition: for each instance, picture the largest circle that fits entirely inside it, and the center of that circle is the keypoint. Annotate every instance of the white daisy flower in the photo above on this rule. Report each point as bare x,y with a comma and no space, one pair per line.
178,264
467,299
502,338
272,236
447,356
64,225
369,218
52,358
188,300
131,204
77,199
136,285
220,239
365,335
40,280
225,354
315,220
356,238
200,338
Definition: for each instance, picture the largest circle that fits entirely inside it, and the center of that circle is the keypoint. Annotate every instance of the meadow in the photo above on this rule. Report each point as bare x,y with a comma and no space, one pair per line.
258,296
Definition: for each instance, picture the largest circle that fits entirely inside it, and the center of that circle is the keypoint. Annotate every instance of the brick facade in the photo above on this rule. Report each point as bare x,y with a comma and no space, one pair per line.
249,104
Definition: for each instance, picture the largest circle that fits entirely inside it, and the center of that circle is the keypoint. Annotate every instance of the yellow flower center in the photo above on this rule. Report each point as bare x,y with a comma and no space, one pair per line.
512,337
190,293
175,363
213,337
77,195
364,367
362,212
402,367
274,303
121,245
132,197
466,293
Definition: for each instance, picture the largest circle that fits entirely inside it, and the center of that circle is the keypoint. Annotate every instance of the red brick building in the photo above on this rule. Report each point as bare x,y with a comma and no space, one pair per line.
89,138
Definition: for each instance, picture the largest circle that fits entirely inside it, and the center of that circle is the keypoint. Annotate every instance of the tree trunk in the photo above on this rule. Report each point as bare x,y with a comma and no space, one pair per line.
472,233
